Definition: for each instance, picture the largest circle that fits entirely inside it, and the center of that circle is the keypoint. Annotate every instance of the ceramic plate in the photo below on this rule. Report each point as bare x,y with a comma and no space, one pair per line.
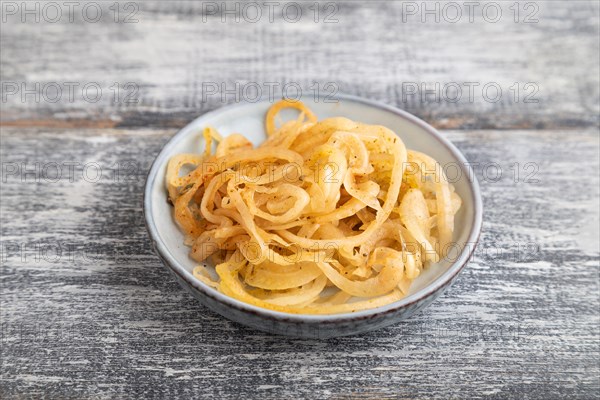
248,119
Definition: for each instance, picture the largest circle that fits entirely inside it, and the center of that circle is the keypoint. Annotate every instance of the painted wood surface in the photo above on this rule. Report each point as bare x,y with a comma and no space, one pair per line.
174,60
88,311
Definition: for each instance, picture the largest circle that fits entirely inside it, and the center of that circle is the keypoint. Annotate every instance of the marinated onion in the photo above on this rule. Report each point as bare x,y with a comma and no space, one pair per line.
324,217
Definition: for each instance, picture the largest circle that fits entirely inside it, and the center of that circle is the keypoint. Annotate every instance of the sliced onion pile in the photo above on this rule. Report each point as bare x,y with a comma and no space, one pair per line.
324,217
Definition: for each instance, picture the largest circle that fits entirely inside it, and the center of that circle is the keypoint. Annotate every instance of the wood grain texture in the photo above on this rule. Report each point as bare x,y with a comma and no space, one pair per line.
86,308
177,51
102,318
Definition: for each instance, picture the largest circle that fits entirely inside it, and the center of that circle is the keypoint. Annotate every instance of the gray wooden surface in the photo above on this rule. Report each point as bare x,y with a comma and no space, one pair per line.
88,311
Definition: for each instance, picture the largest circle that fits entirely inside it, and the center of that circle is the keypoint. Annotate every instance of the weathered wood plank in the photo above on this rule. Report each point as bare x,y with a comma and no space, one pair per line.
180,55
103,319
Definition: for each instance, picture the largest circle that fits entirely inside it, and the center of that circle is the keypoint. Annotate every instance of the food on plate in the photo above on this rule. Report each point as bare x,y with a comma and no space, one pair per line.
323,217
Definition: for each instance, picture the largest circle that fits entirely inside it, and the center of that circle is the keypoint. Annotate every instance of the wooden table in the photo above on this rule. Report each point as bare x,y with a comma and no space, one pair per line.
88,311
